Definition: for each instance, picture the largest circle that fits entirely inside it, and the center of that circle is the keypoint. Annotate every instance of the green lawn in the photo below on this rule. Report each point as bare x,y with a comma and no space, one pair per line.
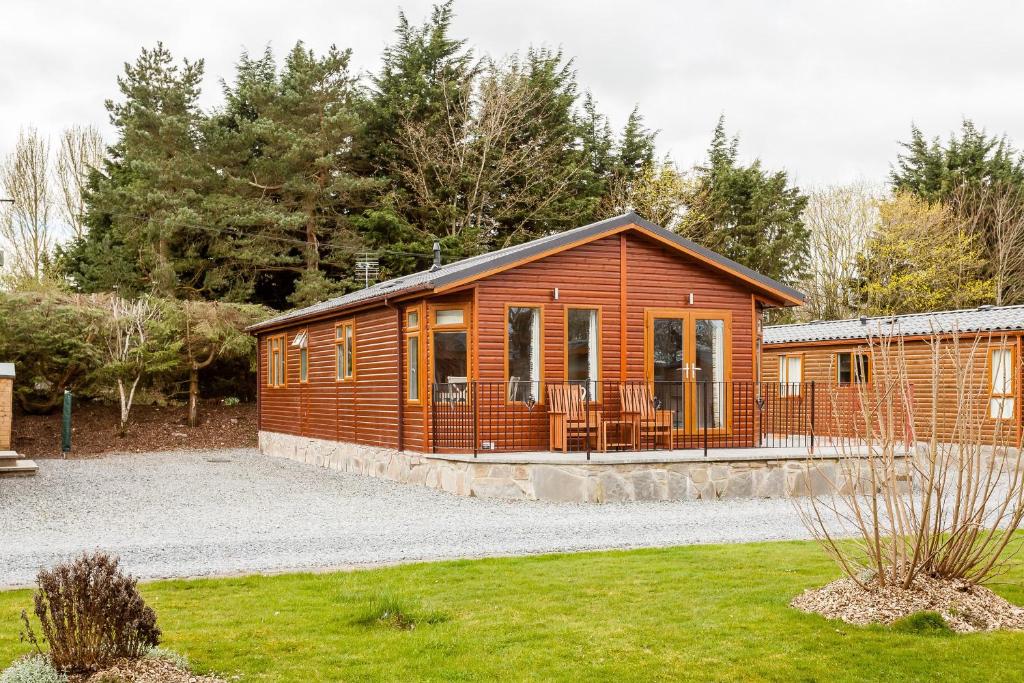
698,612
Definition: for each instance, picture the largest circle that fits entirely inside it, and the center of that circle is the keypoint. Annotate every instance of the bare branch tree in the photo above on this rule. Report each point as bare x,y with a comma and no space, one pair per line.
840,219
476,174
996,214
81,150
26,227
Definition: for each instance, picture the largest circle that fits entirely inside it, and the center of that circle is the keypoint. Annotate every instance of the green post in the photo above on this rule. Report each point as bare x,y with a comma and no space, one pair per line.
65,429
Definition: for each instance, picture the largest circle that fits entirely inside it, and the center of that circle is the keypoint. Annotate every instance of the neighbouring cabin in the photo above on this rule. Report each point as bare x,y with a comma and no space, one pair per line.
11,465
841,358
619,335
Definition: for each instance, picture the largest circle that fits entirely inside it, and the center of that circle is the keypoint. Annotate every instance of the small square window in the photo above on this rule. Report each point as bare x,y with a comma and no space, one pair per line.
449,316
413,320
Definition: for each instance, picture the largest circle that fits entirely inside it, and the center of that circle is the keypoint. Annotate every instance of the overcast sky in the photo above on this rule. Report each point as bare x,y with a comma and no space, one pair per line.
823,89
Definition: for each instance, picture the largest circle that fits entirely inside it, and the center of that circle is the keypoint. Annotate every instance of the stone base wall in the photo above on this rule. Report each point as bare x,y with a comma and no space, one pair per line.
569,482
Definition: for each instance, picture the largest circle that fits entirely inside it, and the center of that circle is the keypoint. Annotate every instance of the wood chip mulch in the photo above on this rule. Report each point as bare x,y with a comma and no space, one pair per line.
965,607
152,428
145,670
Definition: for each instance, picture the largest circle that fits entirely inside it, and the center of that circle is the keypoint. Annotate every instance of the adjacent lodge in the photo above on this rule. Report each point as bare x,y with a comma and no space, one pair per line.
961,371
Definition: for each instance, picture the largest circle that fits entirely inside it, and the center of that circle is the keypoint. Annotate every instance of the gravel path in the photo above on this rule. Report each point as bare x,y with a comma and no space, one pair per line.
195,513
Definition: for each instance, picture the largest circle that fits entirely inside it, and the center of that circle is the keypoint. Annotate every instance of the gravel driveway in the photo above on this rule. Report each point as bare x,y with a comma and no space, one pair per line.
193,513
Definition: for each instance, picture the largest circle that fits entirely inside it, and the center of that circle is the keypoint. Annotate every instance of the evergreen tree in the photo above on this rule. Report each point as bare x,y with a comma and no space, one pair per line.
746,213
145,207
284,144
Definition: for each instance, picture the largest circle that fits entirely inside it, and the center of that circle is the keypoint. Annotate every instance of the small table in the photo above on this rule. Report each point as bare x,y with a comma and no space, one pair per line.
625,431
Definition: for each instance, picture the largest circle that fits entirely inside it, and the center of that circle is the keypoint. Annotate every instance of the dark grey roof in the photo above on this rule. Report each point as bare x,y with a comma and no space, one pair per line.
984,319
476,265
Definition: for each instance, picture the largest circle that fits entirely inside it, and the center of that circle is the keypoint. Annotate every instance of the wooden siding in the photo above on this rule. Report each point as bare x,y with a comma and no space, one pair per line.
362,410
819,366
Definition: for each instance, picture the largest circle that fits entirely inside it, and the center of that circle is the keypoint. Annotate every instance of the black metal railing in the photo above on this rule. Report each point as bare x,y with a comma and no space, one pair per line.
598,416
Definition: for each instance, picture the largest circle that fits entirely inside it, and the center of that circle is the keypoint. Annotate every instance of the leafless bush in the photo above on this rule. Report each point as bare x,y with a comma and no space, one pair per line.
90,614
947,510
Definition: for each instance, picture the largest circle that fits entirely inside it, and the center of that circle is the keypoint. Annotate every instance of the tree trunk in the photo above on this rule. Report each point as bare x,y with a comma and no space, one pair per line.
193,396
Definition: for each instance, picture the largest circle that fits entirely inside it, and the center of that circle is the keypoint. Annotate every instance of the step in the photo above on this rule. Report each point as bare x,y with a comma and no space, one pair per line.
18,468
9,455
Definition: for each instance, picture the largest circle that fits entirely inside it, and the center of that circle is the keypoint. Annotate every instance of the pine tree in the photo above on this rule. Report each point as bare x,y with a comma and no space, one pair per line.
746,213
146,204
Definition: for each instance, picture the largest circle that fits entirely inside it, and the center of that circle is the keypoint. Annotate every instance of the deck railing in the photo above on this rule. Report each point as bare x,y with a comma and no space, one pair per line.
598,416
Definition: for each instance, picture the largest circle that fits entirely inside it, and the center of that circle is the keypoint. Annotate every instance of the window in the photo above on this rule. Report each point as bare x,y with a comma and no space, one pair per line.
582,349
275,361
301,342
412,356
791,374
853,368
1002,384
344,351
449,316
523,356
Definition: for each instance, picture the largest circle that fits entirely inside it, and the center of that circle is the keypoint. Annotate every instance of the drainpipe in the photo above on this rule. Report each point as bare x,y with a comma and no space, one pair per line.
401,368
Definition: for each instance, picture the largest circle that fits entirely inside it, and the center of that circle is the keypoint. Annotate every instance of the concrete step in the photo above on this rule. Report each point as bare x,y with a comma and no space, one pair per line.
17,468
9,455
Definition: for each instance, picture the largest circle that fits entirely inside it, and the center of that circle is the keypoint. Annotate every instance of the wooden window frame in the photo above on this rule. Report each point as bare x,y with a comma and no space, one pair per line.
277,345
541,351
785,390
1012,393
341,351
431,328
304,363
416,331
853,368
599,397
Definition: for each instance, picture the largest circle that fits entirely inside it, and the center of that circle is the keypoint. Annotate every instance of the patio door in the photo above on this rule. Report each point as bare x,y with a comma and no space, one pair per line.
687,360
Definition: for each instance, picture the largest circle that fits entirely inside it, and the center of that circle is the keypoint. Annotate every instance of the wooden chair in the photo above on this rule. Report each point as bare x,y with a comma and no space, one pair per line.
568,417
637,403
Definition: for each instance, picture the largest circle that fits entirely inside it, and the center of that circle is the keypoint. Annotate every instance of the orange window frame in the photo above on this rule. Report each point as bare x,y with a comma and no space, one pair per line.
854,375
304,358
598,393
1011,393
277,372
785,381
414,330
345,351
540,351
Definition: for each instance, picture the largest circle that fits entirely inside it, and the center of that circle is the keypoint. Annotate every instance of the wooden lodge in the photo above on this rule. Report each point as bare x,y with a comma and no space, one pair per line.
966,365
619,335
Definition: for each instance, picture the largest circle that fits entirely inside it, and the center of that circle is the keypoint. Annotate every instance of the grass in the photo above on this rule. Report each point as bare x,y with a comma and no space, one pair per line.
691,613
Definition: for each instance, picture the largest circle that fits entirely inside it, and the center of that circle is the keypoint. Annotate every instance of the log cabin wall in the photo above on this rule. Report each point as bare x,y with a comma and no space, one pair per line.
362,409
819,366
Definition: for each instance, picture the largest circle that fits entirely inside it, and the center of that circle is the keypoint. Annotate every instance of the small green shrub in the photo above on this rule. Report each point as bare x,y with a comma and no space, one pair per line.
90,613
175,658
393,611
34,669
923,624
231,401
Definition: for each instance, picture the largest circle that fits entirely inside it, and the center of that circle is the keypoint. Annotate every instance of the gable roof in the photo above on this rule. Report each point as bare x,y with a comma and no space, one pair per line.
475,267
982,319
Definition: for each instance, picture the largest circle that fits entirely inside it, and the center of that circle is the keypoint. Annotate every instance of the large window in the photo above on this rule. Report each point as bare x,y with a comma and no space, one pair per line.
345,351
583,349
276,361
301,342
1002,384
523,356
791,374
853,368
450,352
709,372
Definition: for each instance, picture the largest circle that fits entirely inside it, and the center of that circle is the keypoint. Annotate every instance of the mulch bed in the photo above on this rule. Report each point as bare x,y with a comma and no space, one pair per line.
153,428
965,607
146,670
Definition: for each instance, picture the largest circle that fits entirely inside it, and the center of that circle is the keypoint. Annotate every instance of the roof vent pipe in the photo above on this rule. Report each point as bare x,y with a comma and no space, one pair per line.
863,320
437,256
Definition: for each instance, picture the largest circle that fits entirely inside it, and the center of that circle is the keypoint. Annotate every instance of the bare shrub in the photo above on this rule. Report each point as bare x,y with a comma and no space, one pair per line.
926,485
90,614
